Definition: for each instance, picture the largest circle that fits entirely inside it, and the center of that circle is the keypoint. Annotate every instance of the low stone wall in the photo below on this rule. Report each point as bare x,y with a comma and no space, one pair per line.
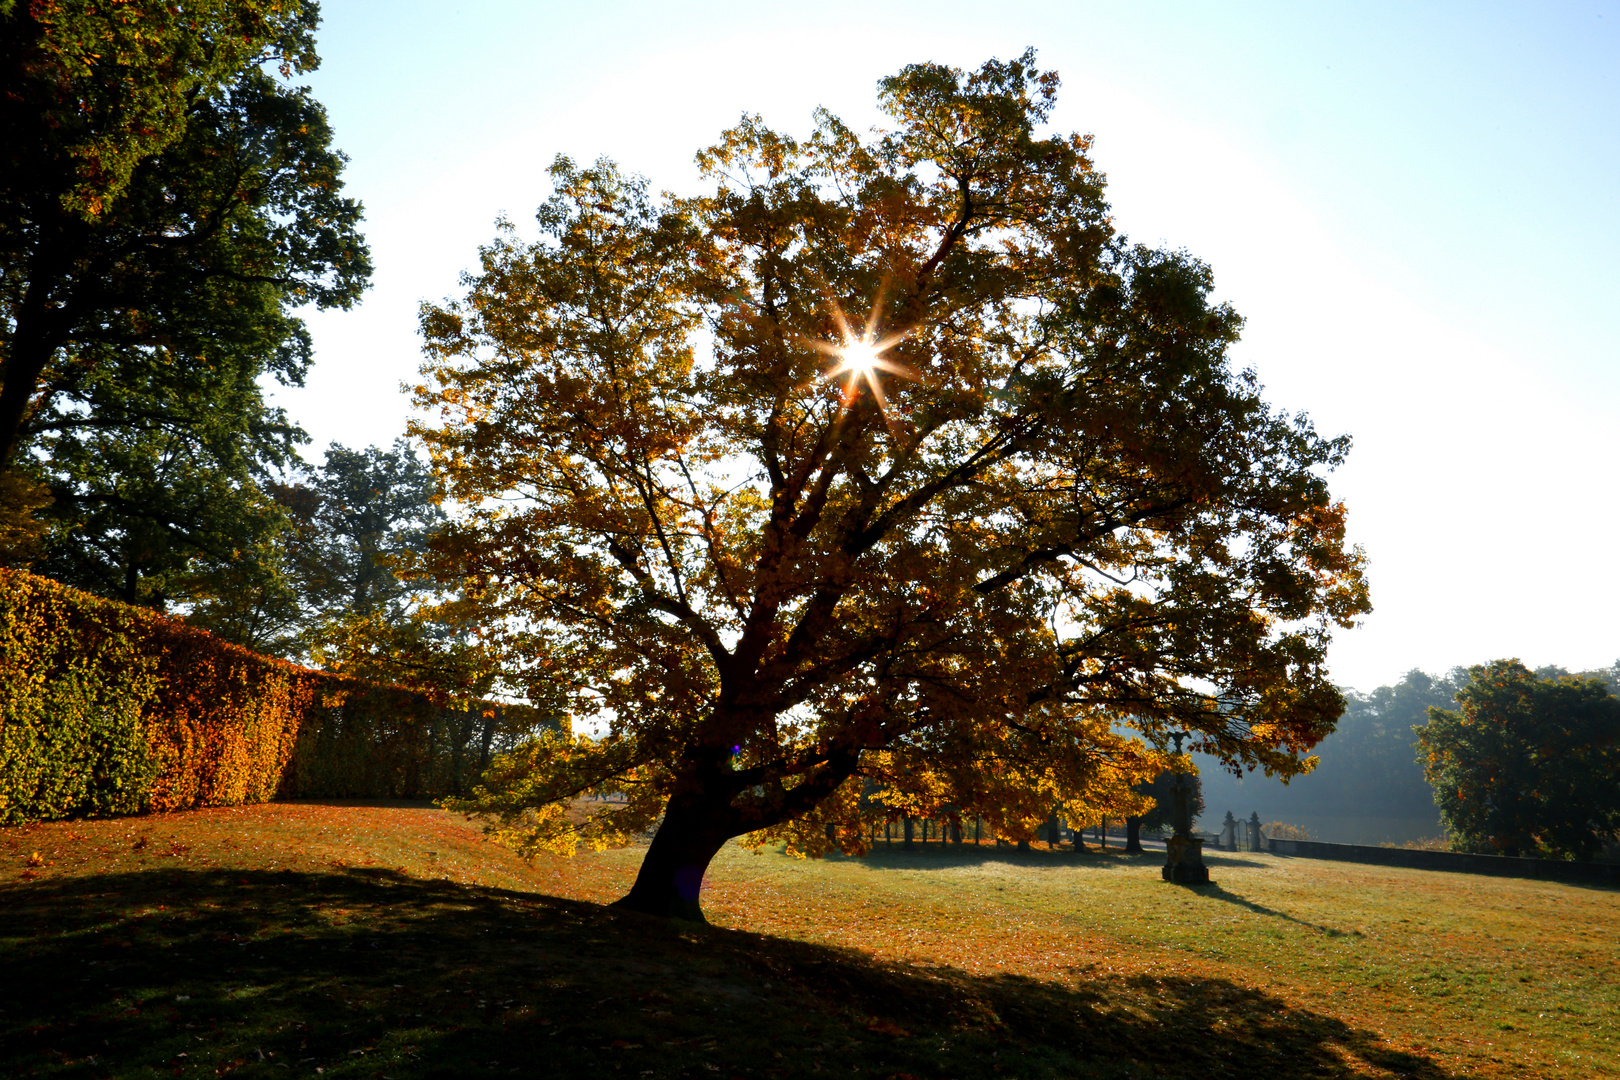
1457,862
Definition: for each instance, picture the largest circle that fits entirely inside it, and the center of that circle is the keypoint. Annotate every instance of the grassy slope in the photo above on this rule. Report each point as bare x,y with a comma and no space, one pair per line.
391,942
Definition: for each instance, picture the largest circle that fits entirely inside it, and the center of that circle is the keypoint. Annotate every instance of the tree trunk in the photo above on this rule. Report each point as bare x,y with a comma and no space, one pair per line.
458,748
1133,836
671,875
487,740
910,828
30,350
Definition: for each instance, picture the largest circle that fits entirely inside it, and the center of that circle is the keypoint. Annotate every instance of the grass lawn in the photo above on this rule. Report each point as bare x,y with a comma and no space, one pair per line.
390,941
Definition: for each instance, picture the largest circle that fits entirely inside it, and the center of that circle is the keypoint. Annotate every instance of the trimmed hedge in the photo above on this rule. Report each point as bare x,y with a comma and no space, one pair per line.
112,709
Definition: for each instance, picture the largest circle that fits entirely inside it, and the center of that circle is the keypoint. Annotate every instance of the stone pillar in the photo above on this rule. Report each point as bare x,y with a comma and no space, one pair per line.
1184,855
1254,831
1184,861
1229,832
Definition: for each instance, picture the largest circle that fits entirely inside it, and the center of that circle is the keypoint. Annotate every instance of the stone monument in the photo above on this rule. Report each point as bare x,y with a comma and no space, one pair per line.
1254,831
1183,854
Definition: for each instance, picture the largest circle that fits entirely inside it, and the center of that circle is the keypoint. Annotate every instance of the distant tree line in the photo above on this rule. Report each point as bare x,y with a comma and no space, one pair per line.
1504,767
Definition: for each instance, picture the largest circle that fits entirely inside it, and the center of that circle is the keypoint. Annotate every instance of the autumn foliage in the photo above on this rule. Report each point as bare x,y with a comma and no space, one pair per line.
886,470
108,709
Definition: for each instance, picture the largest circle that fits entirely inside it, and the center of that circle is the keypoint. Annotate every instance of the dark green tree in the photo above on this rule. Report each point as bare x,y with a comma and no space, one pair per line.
323,586
357,515
92,89
159,498
1526,765
152,292
1609,676
360,521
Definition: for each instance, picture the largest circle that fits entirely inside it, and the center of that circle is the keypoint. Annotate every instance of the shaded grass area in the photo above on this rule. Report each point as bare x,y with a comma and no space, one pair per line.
390,941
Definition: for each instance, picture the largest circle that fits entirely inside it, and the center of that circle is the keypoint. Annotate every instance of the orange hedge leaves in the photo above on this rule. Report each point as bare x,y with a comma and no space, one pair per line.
109,709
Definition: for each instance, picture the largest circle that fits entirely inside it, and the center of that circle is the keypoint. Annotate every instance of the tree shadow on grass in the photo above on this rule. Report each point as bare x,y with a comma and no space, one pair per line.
370,973
934,855
1214,892
942,856
1216,860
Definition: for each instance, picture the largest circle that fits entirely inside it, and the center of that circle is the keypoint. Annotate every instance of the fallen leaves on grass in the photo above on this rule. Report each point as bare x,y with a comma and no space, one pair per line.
464,973
1310,956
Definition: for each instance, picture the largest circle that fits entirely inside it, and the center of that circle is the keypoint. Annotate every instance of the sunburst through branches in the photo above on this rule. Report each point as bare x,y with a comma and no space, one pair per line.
860,357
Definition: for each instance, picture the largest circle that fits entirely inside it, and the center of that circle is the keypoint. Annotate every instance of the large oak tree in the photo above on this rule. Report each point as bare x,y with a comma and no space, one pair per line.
889,468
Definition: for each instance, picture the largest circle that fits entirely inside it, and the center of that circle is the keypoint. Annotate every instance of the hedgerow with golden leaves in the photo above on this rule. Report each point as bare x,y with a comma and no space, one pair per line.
111,709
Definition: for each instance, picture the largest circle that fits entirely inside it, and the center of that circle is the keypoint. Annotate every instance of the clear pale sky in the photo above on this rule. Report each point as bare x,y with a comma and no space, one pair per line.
1414,206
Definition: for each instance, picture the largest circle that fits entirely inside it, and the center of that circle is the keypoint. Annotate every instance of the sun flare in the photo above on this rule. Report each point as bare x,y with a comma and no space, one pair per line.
859,356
